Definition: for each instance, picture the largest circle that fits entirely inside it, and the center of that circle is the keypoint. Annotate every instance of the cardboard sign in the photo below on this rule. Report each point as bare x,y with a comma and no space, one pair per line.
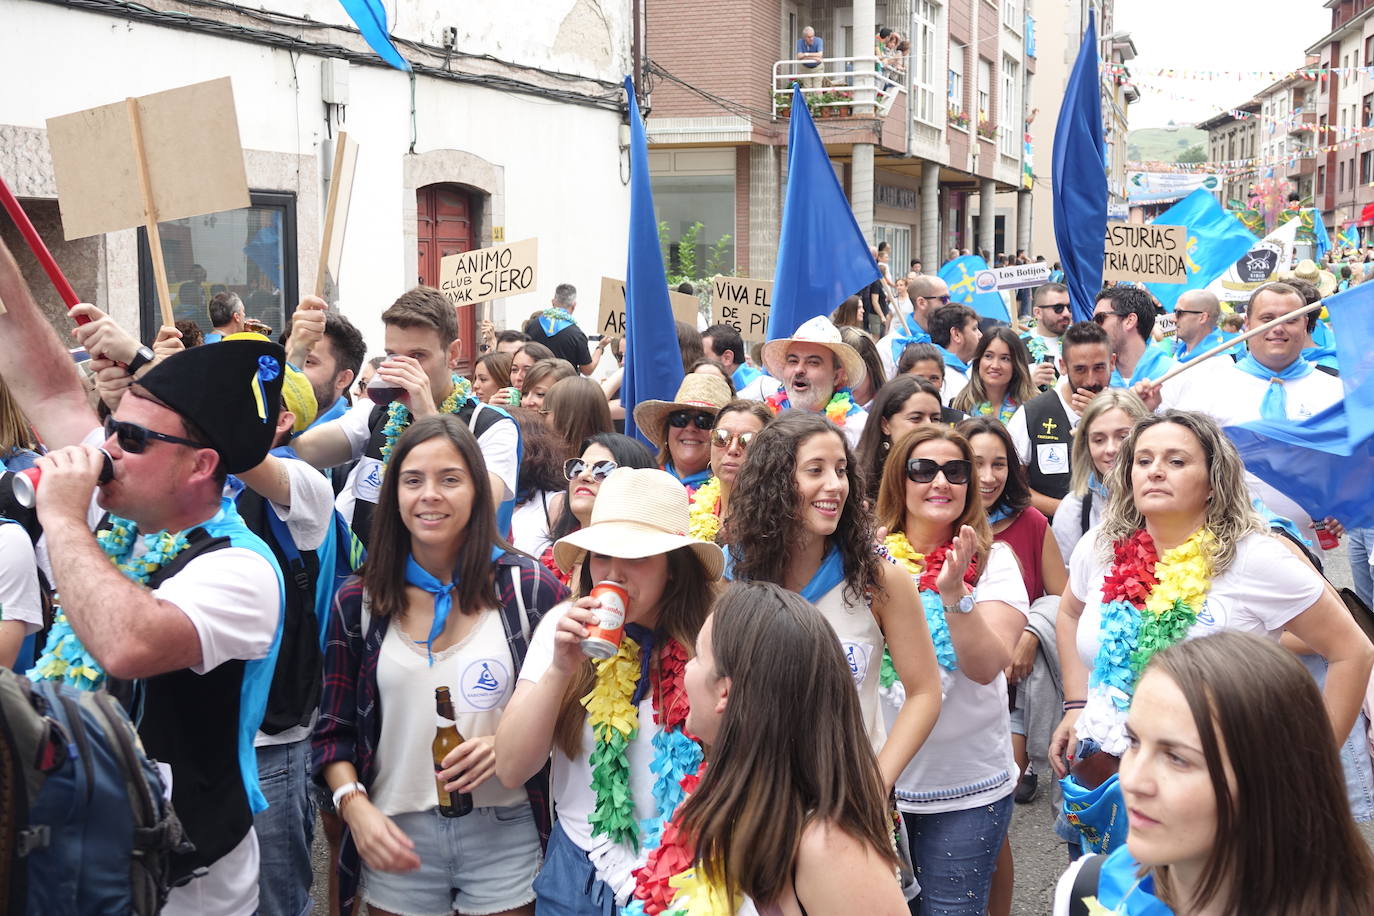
610,316
1146,254
190,140
489,273
744,304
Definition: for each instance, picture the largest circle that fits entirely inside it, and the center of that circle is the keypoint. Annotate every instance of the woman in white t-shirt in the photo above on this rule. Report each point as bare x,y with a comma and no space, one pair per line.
955,795
1105,422
1180,553
615,728
431,609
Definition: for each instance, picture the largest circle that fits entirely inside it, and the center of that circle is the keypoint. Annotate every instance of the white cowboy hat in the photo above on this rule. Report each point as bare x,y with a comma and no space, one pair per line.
638,512
707,393
818,330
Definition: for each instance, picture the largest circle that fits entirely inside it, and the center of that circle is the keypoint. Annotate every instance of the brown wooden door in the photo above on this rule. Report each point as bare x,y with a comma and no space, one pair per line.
446,217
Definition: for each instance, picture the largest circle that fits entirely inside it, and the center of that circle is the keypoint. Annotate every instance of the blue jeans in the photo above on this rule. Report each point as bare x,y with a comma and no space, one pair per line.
1359,775
567,884
955,854
1361,546
285,830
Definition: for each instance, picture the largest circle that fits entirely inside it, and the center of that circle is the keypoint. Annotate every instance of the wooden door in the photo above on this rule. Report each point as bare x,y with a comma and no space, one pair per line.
446,226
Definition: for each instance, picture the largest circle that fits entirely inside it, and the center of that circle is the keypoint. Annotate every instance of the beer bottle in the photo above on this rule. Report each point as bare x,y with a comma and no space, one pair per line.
446,738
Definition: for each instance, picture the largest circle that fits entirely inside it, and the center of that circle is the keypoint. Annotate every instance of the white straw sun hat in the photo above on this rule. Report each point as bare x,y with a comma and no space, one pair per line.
821,331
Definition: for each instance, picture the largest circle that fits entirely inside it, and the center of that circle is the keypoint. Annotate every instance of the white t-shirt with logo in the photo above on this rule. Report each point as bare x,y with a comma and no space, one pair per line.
1264,588
480,676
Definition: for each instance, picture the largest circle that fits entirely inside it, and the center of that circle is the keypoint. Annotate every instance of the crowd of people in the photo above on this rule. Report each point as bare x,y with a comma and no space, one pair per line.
799,647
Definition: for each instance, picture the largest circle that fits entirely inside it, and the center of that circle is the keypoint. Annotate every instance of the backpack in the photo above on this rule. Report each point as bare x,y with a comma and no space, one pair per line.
85,823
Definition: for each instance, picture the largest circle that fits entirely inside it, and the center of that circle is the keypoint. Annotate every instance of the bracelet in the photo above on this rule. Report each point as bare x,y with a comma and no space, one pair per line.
1074,704
347,789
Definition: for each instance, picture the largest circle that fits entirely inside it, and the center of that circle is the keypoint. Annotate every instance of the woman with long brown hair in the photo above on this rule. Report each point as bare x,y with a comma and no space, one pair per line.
955,795
791,816
614,728
1234,791
999,379
490,374
577,410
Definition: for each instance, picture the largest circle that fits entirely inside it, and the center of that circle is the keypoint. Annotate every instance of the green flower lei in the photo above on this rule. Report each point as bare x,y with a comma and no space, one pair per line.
398,415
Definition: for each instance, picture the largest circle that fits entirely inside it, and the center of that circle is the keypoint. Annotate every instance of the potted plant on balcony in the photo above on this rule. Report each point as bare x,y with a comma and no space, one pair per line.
845,109
986,129
782,102
958,118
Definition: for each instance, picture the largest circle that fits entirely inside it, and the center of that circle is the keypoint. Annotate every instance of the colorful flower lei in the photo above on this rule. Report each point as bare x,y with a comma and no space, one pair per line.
703,517
398,415
925,569
840,406
1004,413
64,658
1149,602
614,720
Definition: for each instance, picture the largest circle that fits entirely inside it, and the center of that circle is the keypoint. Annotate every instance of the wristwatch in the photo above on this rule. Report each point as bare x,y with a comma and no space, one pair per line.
142,357
965,606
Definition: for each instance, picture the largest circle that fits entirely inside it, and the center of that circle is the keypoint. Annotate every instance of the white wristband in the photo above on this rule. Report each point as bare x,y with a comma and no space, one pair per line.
347,788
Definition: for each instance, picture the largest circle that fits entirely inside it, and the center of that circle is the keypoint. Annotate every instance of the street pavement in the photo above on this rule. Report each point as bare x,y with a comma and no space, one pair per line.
1040,857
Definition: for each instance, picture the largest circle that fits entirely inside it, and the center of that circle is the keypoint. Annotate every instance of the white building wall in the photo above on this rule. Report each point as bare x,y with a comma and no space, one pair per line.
562,175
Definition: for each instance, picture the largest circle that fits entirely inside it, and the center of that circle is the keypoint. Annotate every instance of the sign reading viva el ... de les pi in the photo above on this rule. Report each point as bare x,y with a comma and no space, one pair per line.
489,273
743,304
1146,253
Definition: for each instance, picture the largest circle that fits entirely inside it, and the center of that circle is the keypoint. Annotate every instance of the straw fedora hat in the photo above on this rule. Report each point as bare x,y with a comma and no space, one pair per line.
1324,280
707,393
818,330
639,512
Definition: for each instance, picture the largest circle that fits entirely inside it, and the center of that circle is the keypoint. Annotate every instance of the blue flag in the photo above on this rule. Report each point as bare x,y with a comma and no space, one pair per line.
959,275
653,362
823,257
1079,180
1216,240
370,18
1319,234
1325,463
1350,238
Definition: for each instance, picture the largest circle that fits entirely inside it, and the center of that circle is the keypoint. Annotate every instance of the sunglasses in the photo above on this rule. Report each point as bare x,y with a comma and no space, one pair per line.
133,438
1188,312
1101,317
679,419
1057,309
722,438
944,299
923,470
574,468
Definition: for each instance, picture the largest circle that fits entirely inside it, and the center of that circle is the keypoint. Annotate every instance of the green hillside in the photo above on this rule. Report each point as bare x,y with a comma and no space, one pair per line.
1150,144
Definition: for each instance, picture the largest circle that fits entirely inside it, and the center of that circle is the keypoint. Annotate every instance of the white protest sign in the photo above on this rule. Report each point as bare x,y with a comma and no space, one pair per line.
1146,253
1167,324
610,316
489,273
1015,276
743,304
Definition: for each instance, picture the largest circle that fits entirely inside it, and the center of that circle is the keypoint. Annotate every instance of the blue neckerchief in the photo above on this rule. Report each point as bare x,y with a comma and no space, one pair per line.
1119,888
903,340
1096,486
743,375
554,320
336,410
691,480
953,361
419,577
1154,362
1275,403
828,575
998,513
1322,335
644,637
1321,356
1273,520
1183,352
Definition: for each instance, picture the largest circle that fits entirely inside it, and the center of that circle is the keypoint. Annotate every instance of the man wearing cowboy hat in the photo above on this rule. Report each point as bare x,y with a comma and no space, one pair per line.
681,428
818,371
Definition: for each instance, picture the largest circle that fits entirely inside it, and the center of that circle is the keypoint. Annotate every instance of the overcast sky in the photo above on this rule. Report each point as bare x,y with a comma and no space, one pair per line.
1214,35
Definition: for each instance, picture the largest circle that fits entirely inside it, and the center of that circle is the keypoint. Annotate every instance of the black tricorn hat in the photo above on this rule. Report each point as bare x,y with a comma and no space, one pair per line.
231,390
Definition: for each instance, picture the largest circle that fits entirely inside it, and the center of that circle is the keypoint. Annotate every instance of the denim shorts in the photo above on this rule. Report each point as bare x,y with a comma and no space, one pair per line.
483,862
955,854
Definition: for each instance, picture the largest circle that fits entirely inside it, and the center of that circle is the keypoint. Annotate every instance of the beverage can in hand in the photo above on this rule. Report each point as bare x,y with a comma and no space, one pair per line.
1325,538
604,637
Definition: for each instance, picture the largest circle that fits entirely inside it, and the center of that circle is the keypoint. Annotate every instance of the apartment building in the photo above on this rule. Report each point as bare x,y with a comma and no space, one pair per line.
1344,176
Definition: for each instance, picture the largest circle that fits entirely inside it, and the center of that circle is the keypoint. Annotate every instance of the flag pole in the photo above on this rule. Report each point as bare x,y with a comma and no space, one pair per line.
1241,338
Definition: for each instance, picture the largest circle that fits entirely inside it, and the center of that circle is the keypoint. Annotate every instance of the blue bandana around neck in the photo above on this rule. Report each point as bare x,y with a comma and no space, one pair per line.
644,638
1274,406
691,480
419,577
1183,352
1097,487
828,575
906,338
1120,890
1154,362
338,409
554,320
953,361
1322,356
999,512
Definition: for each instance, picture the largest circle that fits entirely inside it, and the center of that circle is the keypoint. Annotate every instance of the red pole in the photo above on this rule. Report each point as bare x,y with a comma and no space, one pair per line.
40,250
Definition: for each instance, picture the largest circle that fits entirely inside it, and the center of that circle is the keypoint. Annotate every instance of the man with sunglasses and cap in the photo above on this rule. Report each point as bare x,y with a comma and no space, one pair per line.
161,581
819,372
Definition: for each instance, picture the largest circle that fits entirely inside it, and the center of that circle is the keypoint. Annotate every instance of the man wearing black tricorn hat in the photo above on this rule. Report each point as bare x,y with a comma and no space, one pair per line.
159,578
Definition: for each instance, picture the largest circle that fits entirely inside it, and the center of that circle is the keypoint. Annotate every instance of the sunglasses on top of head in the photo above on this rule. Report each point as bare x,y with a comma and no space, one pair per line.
574,468
923,470
679,419
133,438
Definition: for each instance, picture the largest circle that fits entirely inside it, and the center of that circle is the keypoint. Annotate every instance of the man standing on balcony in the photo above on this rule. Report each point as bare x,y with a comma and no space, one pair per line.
810,48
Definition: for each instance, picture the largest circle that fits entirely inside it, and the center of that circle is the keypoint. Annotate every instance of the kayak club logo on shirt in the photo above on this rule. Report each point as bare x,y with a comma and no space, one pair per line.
370,481
484,683
857,655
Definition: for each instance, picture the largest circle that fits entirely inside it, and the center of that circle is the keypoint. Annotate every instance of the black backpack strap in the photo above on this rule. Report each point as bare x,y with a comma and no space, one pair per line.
1085,885
1086,511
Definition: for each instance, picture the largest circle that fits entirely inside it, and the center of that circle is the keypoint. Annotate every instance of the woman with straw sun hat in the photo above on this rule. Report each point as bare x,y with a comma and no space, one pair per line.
615,728
681,428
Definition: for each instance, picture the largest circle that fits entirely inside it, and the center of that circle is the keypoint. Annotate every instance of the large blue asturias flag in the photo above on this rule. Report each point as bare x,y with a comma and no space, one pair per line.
823,257
1350,237
370,18
1325,463
959,275
1216,240
1079,180
653,361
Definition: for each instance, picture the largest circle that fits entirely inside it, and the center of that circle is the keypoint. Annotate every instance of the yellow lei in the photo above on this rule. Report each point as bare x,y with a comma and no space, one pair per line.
703,520
1183,574
900,549
697,897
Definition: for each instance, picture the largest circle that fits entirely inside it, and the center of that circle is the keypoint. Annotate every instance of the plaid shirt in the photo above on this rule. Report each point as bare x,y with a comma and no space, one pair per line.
350,722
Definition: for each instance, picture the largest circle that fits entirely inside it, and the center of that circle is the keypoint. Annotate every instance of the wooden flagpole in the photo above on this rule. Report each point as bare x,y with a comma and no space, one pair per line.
1226,345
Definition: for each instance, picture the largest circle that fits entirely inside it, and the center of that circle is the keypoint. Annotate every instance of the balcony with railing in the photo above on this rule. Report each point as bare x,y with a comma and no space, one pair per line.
1302,122
864,88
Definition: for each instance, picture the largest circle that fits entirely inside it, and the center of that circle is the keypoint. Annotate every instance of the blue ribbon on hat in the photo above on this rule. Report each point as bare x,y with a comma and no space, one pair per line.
268,369
419,577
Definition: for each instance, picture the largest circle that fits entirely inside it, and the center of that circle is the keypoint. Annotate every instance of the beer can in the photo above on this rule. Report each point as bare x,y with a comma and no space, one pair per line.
25,483
604,637
1325,538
